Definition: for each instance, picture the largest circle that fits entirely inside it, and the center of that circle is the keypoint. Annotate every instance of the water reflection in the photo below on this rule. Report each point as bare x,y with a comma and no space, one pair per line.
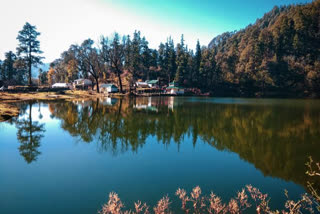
277,138
29,134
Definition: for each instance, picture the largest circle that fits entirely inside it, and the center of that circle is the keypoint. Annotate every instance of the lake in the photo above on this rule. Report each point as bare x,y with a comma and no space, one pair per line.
66,156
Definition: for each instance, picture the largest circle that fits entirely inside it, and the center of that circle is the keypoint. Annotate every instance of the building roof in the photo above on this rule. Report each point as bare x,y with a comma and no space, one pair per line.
142,84
60,84
152,81
108,85
174,84
79,80
174,87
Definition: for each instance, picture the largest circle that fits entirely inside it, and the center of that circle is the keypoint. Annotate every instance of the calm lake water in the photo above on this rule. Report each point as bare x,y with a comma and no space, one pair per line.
65,157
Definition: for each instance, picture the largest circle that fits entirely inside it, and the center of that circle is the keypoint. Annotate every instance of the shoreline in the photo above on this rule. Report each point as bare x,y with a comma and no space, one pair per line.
8,97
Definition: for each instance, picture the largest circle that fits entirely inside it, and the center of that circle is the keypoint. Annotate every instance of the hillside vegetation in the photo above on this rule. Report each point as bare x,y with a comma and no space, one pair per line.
279,54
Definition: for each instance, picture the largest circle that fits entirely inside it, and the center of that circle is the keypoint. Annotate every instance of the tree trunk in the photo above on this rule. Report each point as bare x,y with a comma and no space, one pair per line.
98,89
30,65
120,83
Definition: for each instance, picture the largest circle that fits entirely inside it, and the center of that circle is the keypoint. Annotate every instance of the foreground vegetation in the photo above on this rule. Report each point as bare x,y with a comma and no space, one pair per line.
279,55
249,198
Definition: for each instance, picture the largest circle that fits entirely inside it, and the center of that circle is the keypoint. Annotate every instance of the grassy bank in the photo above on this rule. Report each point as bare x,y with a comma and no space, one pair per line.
5,96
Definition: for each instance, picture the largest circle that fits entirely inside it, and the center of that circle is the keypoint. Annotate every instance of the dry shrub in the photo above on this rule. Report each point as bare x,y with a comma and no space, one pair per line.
313,171
216,205
162,206
113,206
195,203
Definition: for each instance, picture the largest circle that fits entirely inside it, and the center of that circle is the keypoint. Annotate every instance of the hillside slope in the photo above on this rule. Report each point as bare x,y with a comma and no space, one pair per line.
279,54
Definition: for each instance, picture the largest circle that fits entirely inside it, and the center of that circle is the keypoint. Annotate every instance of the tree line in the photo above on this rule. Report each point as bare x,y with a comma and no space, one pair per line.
125,60
279,55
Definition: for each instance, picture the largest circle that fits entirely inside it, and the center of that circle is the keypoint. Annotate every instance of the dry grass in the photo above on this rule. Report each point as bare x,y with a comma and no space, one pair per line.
4,96
196,203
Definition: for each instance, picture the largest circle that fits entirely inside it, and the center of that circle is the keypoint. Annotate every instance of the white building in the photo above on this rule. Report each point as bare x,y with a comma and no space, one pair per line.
110,88
82,83
142,85
174,89
62,85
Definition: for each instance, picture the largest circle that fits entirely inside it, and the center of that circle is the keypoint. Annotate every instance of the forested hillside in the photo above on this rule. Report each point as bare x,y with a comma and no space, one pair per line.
278,55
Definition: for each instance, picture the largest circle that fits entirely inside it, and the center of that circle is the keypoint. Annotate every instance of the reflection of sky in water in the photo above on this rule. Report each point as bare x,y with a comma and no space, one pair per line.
76,177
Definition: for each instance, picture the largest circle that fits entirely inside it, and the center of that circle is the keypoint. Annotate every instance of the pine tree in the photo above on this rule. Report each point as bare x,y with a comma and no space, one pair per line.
29,47
145,58
8,70
172,56
181,62
197,61
135,59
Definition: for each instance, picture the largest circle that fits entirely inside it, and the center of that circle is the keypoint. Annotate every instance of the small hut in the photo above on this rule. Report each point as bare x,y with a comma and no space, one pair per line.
174,89
82,83
108,88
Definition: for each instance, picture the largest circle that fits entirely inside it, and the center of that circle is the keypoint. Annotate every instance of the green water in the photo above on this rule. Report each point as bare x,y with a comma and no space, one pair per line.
65,157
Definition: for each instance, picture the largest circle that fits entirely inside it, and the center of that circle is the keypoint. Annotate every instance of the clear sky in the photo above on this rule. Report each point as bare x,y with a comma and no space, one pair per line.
65,22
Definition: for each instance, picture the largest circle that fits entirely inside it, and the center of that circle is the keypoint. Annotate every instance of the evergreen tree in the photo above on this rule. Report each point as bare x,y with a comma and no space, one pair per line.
135,57
197,61
29,47
43,77
145,58
171,57
8,69
181,62
127,52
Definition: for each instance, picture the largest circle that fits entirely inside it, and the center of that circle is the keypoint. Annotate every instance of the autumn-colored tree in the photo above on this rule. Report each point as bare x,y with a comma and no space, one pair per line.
50,76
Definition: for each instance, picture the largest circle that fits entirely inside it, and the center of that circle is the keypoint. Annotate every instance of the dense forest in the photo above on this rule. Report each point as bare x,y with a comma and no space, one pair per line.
278,55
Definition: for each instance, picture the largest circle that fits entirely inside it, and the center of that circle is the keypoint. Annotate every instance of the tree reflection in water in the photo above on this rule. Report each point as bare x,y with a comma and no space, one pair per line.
277,136
29,135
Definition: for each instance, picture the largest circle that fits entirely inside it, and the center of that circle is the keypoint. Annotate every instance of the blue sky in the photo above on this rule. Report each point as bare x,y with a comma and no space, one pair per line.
65,22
